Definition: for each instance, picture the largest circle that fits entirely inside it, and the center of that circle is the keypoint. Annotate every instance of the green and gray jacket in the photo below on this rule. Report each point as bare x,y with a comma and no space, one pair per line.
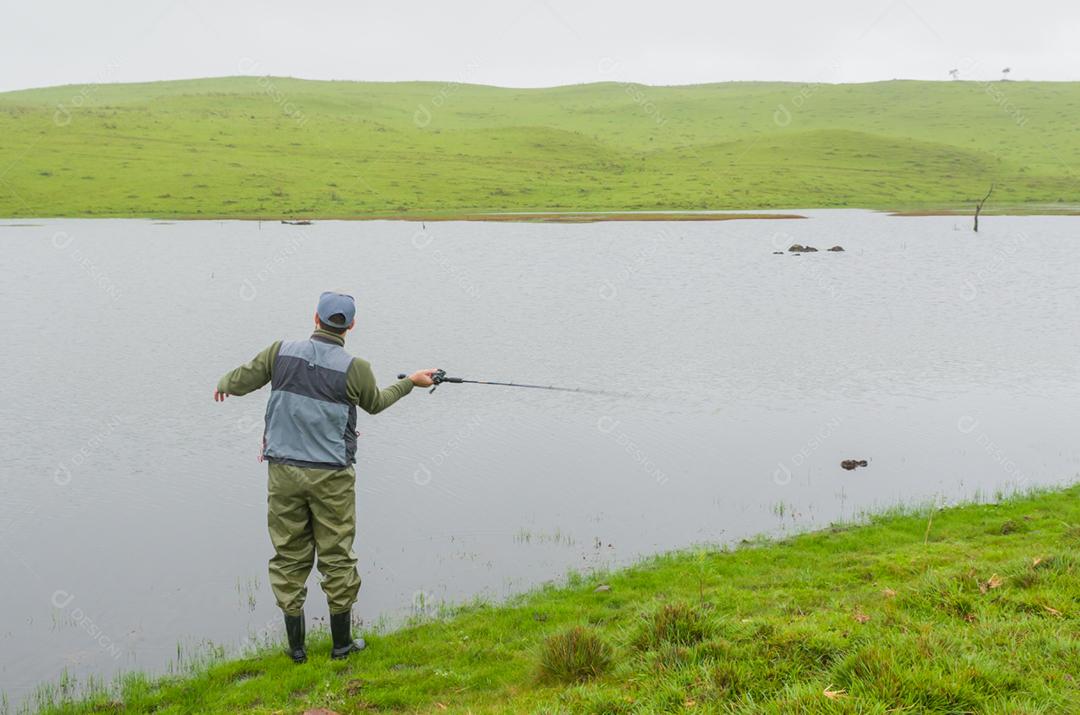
315,388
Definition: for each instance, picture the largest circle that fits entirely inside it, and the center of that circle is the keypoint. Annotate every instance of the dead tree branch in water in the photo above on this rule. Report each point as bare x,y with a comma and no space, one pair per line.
978,207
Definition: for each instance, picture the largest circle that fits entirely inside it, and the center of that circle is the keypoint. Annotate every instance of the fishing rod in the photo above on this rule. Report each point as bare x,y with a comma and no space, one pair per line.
440,377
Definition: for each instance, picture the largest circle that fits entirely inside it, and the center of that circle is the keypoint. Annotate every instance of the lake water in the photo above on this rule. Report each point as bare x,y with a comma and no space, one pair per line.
132,521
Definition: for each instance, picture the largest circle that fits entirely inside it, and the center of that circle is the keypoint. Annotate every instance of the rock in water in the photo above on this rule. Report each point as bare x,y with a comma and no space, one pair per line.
799,248
837,248
850,464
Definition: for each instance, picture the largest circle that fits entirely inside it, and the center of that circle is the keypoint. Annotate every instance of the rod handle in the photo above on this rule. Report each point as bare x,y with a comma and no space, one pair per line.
439,376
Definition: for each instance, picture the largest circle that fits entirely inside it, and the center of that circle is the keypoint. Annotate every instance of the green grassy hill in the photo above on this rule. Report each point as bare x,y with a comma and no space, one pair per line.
270,147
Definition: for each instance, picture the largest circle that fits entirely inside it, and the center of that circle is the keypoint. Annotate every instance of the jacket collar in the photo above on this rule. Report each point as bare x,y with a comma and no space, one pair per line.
325,336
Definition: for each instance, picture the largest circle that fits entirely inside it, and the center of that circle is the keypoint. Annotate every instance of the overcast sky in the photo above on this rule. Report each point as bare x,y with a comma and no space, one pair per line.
530,43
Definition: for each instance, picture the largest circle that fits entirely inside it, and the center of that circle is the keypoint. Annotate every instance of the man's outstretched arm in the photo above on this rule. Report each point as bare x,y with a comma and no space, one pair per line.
249,377
365,392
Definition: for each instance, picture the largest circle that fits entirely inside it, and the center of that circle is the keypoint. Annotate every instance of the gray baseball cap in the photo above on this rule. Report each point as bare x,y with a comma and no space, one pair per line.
331,303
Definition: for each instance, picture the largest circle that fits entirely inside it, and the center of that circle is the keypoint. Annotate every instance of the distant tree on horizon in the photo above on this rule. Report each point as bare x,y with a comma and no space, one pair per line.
1005,73
954,73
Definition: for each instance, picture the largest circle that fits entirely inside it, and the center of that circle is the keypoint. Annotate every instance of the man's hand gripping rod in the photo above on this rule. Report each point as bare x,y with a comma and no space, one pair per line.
438,378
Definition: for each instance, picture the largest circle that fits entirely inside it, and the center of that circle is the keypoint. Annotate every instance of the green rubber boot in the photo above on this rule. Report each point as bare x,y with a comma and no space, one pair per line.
341,631
296,630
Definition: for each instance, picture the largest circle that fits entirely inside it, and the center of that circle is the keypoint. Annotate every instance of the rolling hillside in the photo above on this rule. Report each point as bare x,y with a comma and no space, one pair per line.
273,147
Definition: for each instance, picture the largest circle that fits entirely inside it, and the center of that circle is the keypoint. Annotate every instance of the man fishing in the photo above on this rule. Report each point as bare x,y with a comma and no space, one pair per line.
310,445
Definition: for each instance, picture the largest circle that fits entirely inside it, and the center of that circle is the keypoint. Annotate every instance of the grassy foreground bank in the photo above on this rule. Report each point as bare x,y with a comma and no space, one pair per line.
970,609
272,147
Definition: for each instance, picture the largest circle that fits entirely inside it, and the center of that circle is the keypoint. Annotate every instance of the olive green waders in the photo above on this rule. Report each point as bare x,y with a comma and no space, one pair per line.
312,512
